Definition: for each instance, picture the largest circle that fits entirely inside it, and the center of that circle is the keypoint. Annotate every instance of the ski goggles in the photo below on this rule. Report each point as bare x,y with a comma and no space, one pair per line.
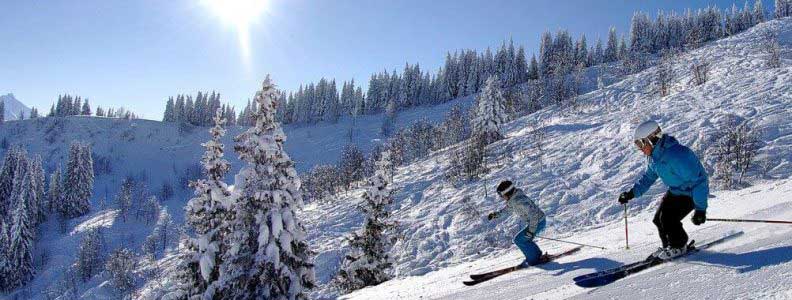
641,143
506,191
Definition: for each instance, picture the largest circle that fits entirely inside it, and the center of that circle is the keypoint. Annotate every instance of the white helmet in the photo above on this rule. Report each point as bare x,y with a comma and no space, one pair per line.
647,129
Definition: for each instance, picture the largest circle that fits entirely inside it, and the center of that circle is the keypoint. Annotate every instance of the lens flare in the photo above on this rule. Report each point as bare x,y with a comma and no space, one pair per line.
241,14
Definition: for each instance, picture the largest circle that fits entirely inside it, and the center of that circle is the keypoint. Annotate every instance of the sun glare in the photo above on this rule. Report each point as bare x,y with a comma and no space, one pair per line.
241,14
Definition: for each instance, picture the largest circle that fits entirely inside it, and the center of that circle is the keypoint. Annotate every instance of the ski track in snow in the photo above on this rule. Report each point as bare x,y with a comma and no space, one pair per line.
755,265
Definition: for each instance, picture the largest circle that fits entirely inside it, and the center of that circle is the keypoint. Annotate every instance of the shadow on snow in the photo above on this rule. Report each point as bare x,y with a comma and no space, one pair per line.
595,263
748,261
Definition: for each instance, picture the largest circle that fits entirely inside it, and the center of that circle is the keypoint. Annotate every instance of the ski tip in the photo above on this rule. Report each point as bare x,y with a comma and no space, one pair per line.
471,282
591,283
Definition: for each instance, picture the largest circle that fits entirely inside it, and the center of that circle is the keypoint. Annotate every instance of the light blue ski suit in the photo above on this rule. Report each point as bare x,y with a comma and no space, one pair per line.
532,215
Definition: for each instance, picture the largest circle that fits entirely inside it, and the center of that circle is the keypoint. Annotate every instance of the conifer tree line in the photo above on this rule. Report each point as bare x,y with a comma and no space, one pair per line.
197,111
783,8
26,201
466,71
68,105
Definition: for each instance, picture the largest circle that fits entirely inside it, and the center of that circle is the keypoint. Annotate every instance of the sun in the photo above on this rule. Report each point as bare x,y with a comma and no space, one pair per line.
241,14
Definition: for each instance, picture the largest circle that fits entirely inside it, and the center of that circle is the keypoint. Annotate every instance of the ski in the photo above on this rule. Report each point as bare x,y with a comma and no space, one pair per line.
479,278
608,276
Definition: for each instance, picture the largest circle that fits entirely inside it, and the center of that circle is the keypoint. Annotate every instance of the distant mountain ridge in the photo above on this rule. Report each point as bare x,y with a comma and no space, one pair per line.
13,107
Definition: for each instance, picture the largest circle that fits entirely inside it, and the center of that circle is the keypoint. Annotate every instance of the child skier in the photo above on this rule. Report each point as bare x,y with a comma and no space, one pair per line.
527,211
679,168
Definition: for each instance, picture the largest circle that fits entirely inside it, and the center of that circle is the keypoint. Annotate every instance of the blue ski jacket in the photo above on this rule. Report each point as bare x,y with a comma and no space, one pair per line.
679,168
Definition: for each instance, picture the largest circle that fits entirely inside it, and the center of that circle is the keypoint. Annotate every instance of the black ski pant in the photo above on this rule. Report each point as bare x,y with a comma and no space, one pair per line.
668,219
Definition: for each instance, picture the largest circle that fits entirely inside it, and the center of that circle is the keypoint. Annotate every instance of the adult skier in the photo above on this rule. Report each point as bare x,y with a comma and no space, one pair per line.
519,204
679,168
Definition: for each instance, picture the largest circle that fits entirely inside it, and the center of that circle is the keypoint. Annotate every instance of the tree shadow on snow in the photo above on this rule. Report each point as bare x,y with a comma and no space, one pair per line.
595,263
749,261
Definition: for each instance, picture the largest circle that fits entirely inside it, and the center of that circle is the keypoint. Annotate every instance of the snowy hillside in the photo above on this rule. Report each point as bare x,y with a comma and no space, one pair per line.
13,108
164,152
588,158
156,154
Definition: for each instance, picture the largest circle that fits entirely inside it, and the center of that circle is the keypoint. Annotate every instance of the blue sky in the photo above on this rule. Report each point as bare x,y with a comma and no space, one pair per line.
136,53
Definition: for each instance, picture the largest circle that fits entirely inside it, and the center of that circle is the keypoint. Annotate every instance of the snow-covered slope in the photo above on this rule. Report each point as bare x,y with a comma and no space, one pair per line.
756,265
156,153
13,108
588,158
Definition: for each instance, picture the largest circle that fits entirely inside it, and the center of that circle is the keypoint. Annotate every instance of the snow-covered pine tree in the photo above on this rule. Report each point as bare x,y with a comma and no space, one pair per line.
151,210
596,55
269,257
455,127
2,111
758,12
7,173
22,187
37,207
165,233
640,33
350,165
54,191
611,48
168,115
369,262
77,106
86,108
34,114
5,262
533,69
206,215
490,111
189,110
783,8
20,247
124,199
89,254
581,52
623,51
120,267
78,185
331,106
390,117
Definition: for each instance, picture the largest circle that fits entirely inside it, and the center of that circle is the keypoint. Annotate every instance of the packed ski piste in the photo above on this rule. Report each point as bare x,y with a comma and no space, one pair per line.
688,187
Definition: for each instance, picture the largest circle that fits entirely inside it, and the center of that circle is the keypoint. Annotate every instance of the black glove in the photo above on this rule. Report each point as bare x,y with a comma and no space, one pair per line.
626,196
492,215
699,217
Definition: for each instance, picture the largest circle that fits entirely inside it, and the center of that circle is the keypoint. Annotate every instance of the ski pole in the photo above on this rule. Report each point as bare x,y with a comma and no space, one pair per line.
568,242
626,232
749,221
